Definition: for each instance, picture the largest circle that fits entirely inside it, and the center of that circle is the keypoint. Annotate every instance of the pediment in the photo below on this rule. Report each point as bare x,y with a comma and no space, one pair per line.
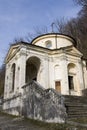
74,51
12,51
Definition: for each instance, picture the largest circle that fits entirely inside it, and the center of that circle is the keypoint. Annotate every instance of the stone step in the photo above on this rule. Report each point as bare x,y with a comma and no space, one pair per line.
76,98
76,110
76,106
72,114
76,116
72,101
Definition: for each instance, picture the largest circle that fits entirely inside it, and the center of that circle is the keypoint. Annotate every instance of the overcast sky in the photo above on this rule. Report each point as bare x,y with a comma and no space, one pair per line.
19,17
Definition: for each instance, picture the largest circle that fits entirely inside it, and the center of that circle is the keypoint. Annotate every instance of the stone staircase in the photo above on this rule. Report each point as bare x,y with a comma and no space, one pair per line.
76,106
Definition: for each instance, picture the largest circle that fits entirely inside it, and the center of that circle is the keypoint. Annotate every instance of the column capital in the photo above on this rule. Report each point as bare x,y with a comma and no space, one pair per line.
63,57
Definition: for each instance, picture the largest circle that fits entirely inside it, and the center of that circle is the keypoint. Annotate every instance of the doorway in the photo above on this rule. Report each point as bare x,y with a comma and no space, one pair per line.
71,84
58,86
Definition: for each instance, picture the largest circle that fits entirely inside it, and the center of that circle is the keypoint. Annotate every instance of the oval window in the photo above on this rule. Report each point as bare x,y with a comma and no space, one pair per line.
48,44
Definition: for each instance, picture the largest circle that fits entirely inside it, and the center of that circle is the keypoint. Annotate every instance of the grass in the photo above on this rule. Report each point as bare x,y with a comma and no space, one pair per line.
48,126
8,115
82,120
39,124
53,126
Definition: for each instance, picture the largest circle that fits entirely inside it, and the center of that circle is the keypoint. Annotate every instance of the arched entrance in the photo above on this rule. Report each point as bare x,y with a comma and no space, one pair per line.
32,68
72,78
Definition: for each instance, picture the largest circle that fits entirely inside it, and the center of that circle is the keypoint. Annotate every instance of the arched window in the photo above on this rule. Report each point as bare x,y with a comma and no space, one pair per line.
56,71
48,44
13,75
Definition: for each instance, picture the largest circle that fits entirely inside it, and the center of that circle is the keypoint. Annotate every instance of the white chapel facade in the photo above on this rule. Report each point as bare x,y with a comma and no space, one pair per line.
51,59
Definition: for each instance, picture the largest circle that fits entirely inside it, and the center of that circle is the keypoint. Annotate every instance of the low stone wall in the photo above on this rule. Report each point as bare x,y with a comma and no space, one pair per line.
37,103
1,103
84,92
45,105
12,105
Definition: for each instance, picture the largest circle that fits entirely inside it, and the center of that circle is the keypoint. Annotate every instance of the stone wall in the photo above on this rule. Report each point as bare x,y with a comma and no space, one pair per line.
43,104
1,103
13,105
84,92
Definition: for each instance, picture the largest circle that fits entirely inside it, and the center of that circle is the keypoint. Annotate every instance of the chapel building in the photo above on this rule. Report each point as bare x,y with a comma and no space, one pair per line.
52,60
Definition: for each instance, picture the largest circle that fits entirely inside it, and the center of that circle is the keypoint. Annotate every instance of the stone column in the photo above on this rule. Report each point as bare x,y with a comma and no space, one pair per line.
51,79
43,73
47,77
84,73
17,78
6,83
80,77
64,75
22,67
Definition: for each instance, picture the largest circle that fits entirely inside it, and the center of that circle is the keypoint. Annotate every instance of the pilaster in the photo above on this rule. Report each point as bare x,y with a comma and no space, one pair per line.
80,76
22,67
64,74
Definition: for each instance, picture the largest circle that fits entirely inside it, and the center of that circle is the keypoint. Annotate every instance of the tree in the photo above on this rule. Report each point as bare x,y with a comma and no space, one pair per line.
81,2
76,27
37,31
2,79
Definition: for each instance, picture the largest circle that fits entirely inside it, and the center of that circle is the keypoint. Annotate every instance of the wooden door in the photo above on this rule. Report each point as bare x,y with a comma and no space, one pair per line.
58,86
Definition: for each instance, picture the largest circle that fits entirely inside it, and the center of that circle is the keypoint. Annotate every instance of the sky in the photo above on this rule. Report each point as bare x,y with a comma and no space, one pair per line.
20,17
